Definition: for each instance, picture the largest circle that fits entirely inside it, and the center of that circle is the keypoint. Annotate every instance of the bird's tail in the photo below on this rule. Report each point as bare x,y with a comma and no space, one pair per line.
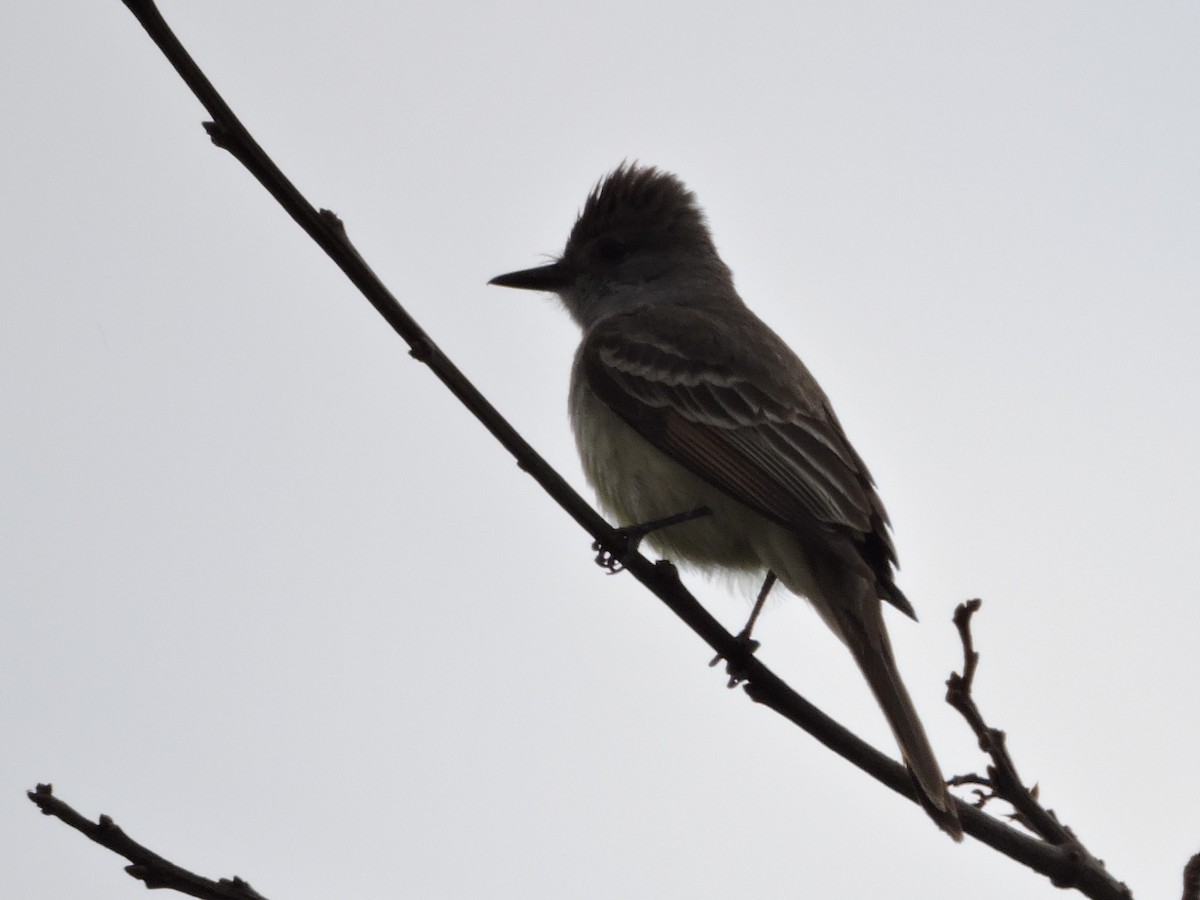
868,640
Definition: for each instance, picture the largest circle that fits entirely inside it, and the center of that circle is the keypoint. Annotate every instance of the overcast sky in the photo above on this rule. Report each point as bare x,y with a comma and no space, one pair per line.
276,603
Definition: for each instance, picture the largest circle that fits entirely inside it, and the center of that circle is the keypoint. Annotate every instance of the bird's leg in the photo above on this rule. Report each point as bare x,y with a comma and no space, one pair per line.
743,638
631,536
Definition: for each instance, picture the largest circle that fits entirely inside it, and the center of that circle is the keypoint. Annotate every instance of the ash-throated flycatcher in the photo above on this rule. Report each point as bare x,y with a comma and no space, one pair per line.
682,398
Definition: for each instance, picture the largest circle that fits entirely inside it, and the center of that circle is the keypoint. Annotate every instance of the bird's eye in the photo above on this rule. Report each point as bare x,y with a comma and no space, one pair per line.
611,250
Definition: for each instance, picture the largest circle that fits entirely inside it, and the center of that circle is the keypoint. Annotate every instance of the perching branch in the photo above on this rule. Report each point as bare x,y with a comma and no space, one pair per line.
1059,860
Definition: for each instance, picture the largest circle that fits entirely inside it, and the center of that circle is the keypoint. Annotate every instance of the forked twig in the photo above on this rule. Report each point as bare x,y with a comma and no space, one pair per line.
1002,780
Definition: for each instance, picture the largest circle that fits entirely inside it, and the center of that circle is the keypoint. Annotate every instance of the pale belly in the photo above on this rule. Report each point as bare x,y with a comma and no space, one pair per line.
638,483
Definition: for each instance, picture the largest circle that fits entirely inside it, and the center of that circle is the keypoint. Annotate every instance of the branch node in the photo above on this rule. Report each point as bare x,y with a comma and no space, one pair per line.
333,221
218,134
421,349
1076,866
667,568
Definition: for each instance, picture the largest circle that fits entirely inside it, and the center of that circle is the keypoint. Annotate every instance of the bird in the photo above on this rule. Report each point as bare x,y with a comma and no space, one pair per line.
682,399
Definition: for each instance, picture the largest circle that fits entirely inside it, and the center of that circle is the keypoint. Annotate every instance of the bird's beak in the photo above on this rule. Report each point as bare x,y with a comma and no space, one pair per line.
553,277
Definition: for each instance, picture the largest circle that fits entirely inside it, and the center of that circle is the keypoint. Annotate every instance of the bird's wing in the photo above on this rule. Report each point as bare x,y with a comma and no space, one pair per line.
744,414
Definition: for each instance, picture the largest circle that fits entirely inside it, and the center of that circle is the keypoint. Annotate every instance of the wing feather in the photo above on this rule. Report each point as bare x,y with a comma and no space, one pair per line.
758,427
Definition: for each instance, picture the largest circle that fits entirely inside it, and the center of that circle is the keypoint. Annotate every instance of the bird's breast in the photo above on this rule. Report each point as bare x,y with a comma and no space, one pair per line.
638,483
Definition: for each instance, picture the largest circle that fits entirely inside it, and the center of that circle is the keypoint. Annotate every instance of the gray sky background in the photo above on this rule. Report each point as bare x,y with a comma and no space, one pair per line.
276,603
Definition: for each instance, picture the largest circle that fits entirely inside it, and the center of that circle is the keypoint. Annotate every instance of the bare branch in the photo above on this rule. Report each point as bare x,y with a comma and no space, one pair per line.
1002,781
146,866
1191,879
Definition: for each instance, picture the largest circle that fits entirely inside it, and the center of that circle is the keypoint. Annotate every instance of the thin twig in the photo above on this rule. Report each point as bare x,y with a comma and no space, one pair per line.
1002,780
146,866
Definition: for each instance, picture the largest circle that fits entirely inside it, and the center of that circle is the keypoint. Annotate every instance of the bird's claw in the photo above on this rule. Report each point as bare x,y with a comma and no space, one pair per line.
613,560
607,559
736,674
630,538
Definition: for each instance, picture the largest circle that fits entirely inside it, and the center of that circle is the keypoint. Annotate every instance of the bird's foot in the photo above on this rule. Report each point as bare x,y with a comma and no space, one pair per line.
736,674
611,559
629,538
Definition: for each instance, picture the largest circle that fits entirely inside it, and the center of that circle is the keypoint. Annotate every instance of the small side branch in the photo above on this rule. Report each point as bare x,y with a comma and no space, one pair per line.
145,865
1004,783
